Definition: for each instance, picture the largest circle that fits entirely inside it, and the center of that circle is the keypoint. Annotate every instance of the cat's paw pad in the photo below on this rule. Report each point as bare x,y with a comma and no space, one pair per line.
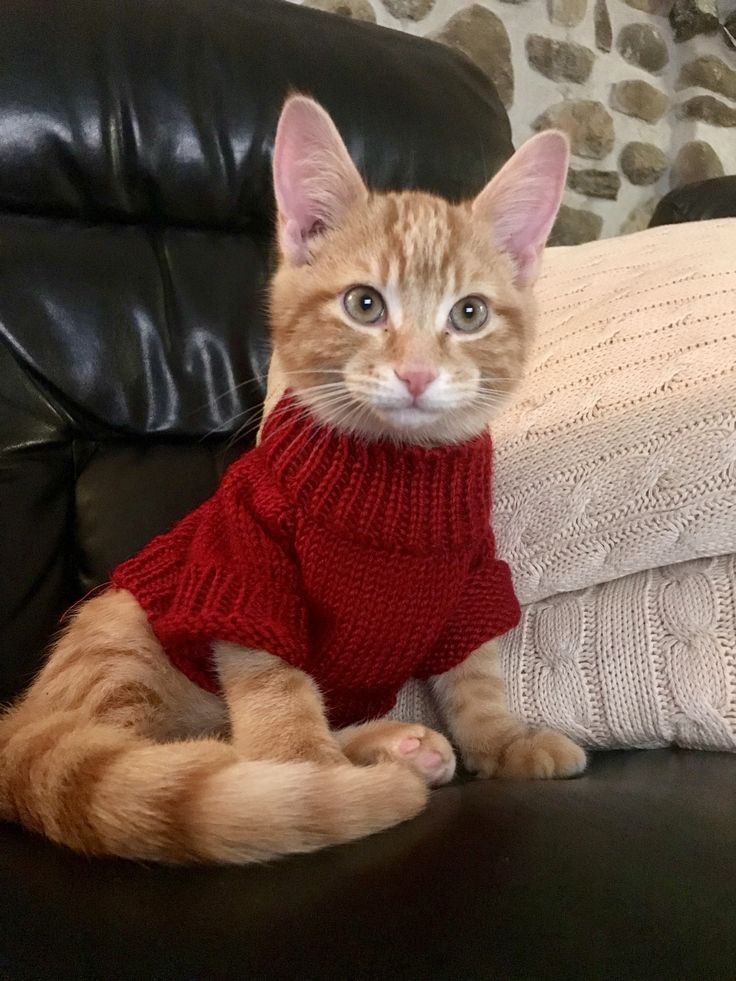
541,755
427,752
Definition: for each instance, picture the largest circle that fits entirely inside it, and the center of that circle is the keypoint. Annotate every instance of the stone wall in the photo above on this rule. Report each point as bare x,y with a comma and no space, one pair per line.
646,89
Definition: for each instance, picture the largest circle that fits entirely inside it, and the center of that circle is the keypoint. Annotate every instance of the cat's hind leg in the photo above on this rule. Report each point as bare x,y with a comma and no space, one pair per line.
108,667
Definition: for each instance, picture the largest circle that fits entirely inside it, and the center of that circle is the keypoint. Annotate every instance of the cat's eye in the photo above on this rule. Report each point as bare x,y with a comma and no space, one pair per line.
469,315
364,305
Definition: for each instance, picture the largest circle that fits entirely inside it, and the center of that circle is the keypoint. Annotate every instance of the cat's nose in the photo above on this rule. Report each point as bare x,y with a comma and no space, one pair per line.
417,380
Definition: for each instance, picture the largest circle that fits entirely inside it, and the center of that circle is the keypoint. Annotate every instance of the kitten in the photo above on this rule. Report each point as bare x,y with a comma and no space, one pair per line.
401,324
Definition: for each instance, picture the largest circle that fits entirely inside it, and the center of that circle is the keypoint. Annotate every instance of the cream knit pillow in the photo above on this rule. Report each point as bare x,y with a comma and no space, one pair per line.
647,660
618,453
617,459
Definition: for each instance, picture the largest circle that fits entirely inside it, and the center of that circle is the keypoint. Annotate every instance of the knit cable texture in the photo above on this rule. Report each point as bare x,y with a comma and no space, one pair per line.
618,453
576,661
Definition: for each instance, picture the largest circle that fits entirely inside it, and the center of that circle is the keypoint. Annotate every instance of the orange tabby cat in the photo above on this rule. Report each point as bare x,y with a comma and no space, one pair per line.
395,316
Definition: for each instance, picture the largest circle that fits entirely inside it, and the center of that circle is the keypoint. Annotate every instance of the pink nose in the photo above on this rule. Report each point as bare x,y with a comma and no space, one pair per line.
417,380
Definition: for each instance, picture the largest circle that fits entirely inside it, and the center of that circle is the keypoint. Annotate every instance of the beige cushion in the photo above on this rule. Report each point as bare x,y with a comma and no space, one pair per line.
647,660
619,452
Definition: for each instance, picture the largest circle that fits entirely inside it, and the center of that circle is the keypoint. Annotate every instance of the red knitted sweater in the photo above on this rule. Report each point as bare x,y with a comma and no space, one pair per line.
362,563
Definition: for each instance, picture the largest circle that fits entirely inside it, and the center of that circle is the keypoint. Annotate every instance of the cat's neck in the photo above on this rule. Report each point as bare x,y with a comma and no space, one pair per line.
384,492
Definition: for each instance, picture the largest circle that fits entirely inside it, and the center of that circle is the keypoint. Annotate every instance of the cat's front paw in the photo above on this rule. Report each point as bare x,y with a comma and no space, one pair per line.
540,754
427,752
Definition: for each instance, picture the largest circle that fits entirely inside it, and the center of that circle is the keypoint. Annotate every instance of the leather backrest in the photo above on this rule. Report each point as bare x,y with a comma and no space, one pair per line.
699,201
136,225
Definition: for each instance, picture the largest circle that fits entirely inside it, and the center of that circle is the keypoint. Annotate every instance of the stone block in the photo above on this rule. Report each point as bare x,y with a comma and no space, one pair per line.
642,45
559,60
643,163
574,226
635,97
480,34
588,124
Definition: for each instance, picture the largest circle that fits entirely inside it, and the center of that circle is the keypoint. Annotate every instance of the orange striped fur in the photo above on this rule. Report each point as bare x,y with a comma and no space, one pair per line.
116,752
112,750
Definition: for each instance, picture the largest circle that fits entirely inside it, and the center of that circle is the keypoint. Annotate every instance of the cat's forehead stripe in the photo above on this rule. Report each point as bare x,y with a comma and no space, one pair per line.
422,237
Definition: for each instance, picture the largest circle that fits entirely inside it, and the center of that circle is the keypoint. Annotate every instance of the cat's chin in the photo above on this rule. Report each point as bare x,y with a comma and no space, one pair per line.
417,426
411,417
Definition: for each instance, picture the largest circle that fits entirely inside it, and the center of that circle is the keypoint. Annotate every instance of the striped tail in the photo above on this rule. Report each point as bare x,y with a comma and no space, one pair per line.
101,790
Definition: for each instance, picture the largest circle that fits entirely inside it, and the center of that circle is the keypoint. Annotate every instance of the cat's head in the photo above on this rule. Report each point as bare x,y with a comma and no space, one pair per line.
403,315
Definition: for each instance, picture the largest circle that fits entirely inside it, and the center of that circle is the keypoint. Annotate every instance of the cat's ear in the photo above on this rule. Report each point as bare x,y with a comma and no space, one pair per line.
315,181
521,202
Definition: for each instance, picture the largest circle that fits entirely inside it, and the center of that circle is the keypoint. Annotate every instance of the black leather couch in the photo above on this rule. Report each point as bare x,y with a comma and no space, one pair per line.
135,241
699,201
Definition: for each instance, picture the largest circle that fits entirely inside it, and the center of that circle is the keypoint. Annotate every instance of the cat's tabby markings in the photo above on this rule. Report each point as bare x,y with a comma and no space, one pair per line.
395,316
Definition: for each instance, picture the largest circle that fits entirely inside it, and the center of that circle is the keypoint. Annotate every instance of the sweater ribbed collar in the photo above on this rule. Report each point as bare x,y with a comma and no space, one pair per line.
389,495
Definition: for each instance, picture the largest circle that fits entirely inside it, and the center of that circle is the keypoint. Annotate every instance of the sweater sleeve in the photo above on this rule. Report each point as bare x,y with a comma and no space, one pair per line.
488,608
226,572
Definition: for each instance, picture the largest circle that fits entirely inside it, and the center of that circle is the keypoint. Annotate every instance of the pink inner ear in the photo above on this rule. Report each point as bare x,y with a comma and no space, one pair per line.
315,181
521,202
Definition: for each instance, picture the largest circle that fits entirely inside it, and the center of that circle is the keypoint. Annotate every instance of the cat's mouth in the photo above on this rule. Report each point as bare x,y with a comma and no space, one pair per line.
408,417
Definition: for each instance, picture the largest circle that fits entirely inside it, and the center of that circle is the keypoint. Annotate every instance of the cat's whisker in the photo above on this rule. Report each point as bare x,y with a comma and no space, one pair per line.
326,399
248,427
356,409
258,382
242,433
224,427
327,391
318,437
318,390
492,391
495,389
318,432
490,404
